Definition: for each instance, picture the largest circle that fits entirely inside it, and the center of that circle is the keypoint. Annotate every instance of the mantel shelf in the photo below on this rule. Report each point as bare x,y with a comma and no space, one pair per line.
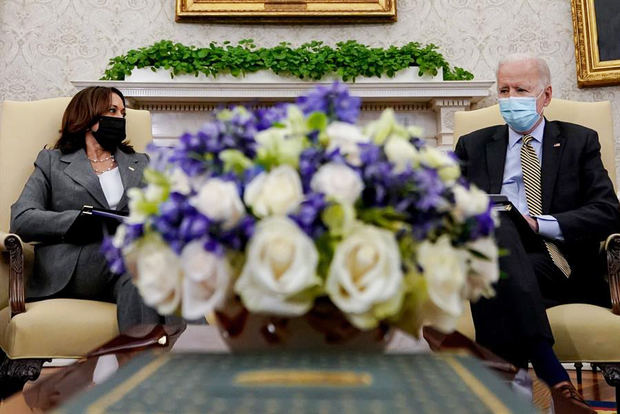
178,106
147,92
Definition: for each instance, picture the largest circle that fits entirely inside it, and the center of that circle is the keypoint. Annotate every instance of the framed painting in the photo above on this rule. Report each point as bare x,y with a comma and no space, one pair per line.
596,25
286,11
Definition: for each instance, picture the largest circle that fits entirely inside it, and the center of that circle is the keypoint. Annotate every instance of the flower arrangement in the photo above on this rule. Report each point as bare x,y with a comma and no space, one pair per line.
282,207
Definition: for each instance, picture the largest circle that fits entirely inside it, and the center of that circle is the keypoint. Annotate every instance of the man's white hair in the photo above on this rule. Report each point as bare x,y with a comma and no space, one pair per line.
544,74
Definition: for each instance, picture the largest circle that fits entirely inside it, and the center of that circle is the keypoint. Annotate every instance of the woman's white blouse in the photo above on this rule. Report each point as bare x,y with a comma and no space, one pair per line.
112,187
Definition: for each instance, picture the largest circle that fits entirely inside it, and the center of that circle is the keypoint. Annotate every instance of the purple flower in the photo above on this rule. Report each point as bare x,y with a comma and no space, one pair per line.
178,222
370,153
481,225
333,100
198,153
308,215
133,232
113,256
159,156
266,118
213,246
237,237
310,160
430,188
193,226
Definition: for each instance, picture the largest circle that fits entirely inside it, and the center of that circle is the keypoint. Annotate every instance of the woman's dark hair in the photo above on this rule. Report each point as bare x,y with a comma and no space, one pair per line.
82,113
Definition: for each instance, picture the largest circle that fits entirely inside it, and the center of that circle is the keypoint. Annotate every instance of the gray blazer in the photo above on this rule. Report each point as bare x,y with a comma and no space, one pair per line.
52,199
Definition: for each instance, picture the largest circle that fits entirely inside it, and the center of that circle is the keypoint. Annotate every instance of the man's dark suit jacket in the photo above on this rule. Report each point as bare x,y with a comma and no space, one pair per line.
576,188
51,200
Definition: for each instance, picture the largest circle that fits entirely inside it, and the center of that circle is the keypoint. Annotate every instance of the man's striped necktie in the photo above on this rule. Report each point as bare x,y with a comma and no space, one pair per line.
533,194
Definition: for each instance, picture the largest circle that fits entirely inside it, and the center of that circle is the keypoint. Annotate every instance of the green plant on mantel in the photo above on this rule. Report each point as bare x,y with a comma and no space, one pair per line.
312,60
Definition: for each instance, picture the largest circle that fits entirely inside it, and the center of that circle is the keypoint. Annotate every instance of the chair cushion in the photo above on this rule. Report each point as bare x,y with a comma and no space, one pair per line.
465,324
57,328
585,333
582,332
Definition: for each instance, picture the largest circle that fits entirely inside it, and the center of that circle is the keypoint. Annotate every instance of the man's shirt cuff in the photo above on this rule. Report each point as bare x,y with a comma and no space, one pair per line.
549,227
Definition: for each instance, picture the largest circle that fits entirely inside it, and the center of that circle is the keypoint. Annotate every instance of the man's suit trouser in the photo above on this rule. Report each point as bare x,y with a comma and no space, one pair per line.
515,317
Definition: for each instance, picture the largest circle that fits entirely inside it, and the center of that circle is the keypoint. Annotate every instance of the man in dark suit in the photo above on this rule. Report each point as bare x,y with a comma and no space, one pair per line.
552,172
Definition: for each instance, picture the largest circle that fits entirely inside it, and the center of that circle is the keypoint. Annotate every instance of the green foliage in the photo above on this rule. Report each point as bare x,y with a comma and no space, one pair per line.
235,161
313,60
326,246
385,217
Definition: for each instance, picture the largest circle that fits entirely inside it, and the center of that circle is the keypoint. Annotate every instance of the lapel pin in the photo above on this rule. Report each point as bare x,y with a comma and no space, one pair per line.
131,168
556,145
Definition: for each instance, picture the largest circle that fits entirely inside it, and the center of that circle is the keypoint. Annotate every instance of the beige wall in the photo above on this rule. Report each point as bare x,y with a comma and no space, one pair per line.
46,43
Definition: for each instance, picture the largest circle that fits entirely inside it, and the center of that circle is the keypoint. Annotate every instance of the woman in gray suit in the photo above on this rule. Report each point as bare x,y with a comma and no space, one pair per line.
91,164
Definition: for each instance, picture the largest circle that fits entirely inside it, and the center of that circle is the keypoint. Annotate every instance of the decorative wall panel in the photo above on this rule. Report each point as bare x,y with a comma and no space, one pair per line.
44,44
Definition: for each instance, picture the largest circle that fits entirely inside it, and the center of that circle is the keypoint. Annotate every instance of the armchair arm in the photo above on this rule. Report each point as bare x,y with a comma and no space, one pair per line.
612,247
12,244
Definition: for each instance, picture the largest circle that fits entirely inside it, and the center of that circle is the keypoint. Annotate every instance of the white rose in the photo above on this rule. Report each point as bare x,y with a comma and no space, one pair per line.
346,137
444,268
275,193
280,144
365,279
483,271
446,166
118,240
137,214
206,281
155,193
159,275
280,269
180,182
469,203
338,182
402,153
219,200
142,200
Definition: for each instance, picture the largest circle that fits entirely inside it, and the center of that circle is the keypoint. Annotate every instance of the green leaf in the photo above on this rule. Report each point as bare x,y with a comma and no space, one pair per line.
385,217
235,161
317,121
339,218
155,177
312,60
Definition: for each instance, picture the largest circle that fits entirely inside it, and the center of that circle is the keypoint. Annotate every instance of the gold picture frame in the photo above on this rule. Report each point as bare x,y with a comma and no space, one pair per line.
286,11
598,64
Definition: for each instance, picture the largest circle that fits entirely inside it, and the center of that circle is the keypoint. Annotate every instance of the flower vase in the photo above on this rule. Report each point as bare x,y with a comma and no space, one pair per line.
323,328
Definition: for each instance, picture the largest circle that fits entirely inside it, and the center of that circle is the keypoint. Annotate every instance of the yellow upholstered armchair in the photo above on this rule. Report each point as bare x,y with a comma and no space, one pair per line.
54,328
583,333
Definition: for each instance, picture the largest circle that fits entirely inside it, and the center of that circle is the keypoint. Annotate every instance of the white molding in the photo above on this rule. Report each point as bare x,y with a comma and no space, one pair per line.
150,92
177,106
410,74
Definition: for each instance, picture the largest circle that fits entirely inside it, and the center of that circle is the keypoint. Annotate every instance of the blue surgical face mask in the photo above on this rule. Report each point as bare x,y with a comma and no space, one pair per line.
520,112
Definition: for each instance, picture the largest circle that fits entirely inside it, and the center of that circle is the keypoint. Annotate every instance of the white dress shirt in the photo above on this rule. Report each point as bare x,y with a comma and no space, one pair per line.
513,186
112,187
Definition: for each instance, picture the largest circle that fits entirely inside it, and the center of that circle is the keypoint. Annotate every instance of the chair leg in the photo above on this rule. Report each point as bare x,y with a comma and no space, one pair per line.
14,373
611,372
594,369
578,366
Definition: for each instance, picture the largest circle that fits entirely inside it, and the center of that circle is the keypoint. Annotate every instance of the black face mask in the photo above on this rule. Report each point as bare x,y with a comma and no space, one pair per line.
111,132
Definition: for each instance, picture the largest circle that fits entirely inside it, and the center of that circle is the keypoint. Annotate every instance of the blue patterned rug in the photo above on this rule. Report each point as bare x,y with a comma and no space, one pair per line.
604,407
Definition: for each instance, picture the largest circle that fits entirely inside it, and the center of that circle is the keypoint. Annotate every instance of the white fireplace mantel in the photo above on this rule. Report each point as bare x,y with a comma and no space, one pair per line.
179,106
